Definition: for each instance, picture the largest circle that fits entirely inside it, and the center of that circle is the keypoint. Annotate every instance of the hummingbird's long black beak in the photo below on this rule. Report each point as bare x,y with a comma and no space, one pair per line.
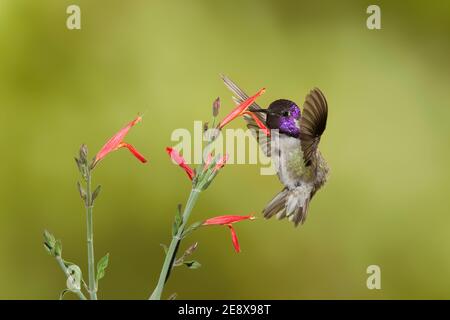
264,111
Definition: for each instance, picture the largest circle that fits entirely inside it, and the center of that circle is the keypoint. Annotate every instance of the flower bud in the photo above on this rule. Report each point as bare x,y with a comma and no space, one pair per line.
83,153
216,107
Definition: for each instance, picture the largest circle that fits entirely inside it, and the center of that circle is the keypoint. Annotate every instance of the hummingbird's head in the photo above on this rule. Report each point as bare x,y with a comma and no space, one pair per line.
284,115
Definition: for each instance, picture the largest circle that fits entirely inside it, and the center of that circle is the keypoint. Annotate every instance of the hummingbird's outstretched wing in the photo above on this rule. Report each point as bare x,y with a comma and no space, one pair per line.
240,96
312,124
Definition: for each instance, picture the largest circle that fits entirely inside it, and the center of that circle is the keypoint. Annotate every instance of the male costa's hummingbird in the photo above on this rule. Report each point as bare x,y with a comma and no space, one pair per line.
293,148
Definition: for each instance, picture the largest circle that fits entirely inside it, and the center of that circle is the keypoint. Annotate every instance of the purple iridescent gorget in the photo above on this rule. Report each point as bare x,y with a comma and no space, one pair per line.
289,125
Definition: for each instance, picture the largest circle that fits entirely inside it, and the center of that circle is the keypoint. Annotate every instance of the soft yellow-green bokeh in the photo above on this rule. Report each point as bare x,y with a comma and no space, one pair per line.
387,143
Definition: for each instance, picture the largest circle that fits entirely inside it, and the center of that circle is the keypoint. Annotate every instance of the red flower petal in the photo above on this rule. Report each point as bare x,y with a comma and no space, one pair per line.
175,156
259,123
136,153
234,238
188,171
179,160
241,108
115,141
226,220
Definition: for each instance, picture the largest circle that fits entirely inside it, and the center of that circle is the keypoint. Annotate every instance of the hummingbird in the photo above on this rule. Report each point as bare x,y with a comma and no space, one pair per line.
293,148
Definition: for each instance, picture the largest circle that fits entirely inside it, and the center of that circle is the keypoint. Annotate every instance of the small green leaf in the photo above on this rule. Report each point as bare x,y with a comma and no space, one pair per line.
192,264
179,216
191,228
67,263
57,250
178,221
81,191
174,228
53,246
74,278
62,294
101,266
96,193
82,162
49,242
79,165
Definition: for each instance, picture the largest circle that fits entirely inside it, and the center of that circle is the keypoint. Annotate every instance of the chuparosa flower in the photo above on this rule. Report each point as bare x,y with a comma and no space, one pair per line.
228,221
242,109
116,142
179,160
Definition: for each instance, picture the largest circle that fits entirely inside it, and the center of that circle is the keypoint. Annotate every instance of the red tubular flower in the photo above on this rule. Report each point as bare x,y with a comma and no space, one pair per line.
234,238
228,221
116,142
179,160
222,220
259,123
241,109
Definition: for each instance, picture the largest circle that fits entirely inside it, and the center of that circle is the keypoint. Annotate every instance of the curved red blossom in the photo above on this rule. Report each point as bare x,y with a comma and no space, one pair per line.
228,221
116,142
234,238
179,160
259,123
241,109
133,150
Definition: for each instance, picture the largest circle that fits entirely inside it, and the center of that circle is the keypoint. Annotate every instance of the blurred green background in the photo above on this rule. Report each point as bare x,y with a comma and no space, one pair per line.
387,138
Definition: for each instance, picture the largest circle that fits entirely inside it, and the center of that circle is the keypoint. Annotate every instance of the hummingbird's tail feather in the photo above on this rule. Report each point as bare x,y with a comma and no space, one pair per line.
291,203
277,206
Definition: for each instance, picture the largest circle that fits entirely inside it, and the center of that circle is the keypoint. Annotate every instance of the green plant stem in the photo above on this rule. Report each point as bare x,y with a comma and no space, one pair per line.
173,248
90,239
66,272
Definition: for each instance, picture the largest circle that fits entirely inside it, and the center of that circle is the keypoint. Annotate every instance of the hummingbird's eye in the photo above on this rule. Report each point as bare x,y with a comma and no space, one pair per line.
286,114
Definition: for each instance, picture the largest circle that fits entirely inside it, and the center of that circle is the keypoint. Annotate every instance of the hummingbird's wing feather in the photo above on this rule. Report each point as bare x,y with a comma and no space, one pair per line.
312,123
239,97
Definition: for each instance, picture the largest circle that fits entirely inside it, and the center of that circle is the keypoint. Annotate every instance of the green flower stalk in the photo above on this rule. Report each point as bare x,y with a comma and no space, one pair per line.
201,178
88,198
72,272
174,245
75,281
